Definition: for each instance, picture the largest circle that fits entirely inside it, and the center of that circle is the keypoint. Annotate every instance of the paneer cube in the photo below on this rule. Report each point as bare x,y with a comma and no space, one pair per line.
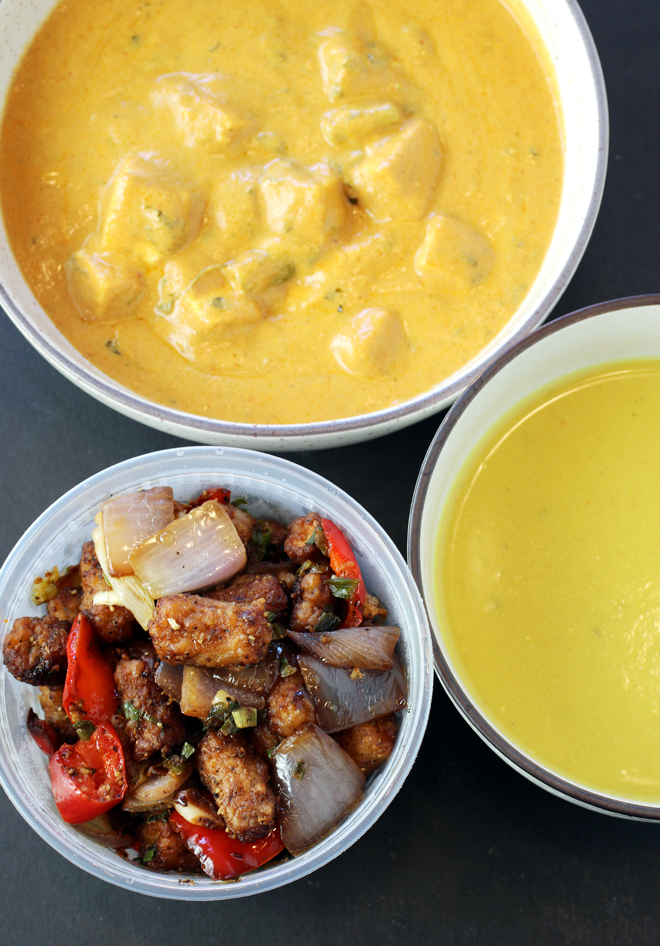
352,125
202,113
353,69
103,290
370,344
255,271
399,175
208,310
453,253
234,207
149,212
306,203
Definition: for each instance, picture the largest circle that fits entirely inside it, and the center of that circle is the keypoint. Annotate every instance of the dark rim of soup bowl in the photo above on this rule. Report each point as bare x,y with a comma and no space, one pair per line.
502,747
192,426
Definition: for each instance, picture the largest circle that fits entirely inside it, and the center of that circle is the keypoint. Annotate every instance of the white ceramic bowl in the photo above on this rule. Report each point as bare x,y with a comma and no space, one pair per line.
274,488
581,94
615,331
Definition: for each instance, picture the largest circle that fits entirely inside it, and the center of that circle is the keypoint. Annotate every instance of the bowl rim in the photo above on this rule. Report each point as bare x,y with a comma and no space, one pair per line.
429,402
535,772
274,471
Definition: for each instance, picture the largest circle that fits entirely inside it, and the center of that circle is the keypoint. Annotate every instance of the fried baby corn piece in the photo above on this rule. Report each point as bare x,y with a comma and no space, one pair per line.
239,782
190,629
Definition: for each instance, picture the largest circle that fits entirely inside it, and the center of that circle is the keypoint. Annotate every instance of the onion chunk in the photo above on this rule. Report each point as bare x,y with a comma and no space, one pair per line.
201,549
344,698
318,783
129,520
369,648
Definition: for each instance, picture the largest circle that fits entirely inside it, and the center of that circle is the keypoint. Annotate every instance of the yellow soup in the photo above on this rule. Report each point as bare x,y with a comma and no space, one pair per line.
549,573
281,212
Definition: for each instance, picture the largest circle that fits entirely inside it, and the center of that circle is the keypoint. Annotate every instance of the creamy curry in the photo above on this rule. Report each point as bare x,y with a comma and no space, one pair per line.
273,212
548,572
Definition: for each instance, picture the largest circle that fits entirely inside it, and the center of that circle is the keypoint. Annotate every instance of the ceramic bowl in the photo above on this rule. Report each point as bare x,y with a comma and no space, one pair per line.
613,332
274,488
581,96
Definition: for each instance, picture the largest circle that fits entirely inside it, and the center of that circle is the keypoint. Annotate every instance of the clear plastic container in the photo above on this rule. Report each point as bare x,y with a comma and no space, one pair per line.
275,488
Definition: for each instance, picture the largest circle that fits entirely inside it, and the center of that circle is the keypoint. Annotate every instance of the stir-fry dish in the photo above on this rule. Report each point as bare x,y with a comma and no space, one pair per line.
215,688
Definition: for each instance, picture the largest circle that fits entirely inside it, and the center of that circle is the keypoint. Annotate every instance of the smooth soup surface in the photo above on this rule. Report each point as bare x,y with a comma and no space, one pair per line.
548,572
280,212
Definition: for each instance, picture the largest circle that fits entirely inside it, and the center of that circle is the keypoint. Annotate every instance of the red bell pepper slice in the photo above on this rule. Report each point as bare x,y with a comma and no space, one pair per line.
344,565
222,857
46,736
220,495
88,778
89,689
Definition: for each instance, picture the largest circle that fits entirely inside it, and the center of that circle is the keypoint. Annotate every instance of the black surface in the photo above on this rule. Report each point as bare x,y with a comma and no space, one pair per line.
469,852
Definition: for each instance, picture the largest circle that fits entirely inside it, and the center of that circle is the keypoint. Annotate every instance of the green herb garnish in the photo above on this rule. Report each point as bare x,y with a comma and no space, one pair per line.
130,711
299,770
149,854
240,502
279,631
245,717
187,750
44,589
85,729
270,616
261,540
286,670
327,622
343,587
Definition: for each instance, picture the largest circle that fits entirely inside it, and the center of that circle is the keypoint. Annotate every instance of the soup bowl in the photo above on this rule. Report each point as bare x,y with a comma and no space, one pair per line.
274,488
569,52
623,331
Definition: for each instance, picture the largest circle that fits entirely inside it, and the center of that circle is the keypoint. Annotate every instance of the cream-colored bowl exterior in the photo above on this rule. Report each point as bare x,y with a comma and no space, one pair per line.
582,101
615,331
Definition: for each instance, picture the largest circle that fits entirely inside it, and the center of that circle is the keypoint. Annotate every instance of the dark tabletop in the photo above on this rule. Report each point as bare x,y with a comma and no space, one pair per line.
469,852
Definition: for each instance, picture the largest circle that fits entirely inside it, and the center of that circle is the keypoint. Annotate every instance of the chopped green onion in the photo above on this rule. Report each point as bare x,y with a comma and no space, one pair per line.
159,816
245,717
187,750
279,631
239,502
84,729
318,539
327,622
286,670
299,770
260,540
229,727
270,616
44,589
149,854
130,711
343,587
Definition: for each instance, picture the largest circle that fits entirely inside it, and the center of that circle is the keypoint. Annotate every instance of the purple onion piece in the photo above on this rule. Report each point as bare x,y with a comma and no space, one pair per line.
344,698
318,784
369,648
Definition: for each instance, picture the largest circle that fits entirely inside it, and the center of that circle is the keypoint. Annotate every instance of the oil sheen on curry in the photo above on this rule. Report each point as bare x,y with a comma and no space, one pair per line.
549,579
281,212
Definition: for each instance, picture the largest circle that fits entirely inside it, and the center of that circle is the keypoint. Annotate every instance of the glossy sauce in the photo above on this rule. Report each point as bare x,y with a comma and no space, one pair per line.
549,574
206,217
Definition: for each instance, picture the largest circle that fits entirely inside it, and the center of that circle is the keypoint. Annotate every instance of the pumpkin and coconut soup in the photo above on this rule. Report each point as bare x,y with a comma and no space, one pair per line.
280,213
548,567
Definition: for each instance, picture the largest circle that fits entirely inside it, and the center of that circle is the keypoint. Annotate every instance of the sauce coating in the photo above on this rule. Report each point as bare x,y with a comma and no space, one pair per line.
548,572
297,213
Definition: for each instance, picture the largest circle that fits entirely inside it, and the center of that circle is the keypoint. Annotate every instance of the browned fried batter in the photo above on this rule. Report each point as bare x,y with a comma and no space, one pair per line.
111,623
300,545
50,700
160,724
278,532
312,598
372,611
245,589
239,781
162,848
190,629
283,571
289,706
370,744
65,605
34,651
263,740
244,523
